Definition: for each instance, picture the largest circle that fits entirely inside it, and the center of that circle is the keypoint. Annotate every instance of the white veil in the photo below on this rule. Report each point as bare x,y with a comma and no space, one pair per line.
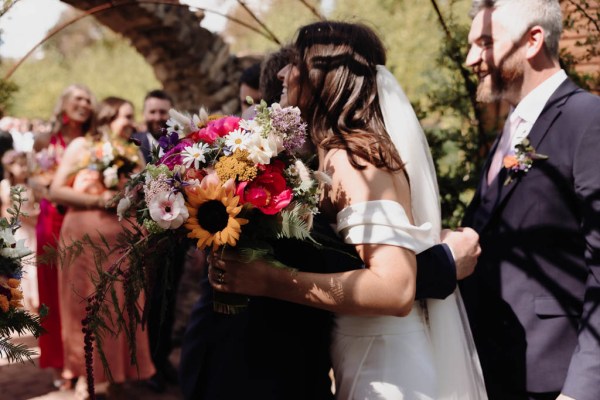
456,361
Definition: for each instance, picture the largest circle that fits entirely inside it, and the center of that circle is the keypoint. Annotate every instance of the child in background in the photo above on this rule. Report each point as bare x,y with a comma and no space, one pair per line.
16,172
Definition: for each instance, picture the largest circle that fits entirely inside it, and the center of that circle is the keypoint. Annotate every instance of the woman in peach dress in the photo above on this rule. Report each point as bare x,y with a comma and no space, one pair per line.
85,183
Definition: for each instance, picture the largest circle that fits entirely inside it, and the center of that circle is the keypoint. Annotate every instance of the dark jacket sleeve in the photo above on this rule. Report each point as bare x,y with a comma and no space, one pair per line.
436,273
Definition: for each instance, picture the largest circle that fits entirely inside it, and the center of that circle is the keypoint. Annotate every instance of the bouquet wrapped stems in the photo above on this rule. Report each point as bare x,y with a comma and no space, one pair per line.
229,303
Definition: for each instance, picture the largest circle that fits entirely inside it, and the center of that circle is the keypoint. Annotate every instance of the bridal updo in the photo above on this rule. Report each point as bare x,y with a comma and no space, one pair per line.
337,76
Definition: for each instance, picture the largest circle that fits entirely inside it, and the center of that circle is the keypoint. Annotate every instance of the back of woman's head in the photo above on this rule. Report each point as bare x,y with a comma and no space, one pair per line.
337,77
270,86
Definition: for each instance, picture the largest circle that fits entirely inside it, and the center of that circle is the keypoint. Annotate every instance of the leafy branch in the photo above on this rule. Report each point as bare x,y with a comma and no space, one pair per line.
14,320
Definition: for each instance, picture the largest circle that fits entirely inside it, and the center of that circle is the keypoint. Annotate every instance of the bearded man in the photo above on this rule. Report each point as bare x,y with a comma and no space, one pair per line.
533,301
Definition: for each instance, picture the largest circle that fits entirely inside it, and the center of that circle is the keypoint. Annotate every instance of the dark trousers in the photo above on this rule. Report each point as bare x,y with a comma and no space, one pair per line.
161,315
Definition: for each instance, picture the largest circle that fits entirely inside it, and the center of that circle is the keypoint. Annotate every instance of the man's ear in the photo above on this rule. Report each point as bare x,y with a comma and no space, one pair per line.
535,41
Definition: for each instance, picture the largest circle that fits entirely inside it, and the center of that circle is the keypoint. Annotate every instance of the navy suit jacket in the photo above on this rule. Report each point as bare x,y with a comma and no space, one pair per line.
533,301
145,145
278,350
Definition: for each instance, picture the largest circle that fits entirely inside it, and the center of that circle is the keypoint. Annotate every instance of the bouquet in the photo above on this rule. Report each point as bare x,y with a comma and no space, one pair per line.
113,158
13,318
225,181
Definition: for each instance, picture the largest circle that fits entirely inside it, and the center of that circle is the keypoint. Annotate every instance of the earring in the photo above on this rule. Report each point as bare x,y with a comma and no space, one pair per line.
65,118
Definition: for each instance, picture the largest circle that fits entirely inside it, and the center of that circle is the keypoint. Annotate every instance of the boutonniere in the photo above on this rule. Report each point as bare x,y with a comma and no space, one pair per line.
519,163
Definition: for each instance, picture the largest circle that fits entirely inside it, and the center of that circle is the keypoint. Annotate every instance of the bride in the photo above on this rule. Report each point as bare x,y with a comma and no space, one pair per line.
383,199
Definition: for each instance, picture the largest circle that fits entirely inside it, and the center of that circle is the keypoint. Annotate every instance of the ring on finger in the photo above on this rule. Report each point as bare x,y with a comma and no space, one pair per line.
220,276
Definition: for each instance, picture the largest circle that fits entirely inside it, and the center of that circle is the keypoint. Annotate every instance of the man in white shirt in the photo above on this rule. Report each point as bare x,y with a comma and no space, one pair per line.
157,104
534,299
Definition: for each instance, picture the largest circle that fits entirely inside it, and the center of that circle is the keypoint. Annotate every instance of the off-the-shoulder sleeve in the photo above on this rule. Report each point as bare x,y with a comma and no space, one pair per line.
382,222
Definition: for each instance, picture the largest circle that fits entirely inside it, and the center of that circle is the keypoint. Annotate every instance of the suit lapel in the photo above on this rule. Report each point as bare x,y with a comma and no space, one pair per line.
498,193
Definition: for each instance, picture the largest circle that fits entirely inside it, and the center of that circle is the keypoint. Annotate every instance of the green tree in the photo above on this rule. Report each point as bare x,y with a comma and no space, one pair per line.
85,52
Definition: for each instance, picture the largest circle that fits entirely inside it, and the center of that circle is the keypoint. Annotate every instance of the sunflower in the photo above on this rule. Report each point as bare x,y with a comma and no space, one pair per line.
212,219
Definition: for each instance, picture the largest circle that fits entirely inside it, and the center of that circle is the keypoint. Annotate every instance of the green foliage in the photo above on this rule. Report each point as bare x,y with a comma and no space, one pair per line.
7,92
293,226
15,320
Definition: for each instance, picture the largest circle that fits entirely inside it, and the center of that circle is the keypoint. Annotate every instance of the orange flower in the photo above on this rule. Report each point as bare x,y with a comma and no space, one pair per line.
510,161
14,283
4,304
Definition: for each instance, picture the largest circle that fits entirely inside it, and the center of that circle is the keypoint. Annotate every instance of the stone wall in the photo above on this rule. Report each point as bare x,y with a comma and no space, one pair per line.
193,64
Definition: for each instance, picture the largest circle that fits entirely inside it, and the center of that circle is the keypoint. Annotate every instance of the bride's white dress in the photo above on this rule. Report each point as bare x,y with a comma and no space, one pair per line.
393,358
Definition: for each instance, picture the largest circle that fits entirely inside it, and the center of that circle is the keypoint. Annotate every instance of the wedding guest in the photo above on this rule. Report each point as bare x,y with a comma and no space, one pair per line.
86,194
16,173
6,143
157,104
280,350
270,86
161,305
72,117
249,81
533,301
22,135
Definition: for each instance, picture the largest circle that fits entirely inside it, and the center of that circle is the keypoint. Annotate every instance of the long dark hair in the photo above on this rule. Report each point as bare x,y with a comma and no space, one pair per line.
337,76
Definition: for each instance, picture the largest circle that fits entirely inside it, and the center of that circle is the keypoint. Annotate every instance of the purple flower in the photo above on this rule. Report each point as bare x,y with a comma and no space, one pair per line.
167,142
288,124
173,157
177,182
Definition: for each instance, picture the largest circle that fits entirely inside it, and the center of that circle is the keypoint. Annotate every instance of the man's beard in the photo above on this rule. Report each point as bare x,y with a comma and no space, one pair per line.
504,80
156,128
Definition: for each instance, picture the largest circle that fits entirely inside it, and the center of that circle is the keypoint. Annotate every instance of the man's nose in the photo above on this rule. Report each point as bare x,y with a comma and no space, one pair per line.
473,56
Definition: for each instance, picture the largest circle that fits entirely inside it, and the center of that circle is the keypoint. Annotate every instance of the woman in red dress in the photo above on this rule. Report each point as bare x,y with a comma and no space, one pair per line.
73,117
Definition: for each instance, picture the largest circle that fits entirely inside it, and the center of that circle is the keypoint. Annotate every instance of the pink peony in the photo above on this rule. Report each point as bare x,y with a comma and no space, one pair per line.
268,191
215,129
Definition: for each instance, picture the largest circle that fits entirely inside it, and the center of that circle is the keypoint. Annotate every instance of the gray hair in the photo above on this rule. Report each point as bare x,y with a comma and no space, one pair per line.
517,16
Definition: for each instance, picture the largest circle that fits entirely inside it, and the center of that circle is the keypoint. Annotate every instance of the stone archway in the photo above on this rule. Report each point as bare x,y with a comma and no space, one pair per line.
193,64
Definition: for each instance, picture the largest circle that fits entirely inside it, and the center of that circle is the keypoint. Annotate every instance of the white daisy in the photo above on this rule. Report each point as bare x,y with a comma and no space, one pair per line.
252,126
178,123
237,140
194,154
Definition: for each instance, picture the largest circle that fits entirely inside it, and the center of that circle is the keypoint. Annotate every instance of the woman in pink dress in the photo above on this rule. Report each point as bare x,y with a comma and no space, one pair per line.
92,169
73,117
